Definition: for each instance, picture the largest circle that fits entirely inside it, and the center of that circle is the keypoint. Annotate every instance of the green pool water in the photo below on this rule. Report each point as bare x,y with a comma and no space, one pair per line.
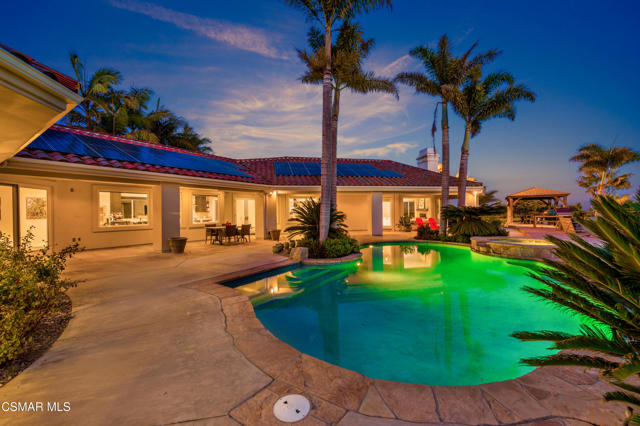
419,313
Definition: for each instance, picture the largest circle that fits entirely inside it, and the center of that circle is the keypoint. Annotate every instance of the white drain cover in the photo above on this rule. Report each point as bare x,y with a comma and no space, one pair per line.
291,408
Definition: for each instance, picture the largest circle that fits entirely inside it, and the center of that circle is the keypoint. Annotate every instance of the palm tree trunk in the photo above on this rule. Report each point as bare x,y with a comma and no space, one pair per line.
464,162
334,147
601,186
445,167
325,165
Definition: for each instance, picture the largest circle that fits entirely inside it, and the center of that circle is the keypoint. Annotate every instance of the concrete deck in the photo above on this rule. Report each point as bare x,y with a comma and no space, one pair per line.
155,339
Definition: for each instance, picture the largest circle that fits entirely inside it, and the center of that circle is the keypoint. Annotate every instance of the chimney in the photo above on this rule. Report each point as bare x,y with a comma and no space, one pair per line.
428,159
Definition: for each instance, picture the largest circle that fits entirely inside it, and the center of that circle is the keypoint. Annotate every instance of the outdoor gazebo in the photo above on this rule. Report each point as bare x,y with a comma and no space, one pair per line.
535,193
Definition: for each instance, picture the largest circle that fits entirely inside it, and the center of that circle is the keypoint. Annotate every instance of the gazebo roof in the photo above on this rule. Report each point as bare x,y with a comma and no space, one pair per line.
537,192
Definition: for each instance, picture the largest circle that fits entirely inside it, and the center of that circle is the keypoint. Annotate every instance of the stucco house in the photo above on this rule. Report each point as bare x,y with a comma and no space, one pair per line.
69,185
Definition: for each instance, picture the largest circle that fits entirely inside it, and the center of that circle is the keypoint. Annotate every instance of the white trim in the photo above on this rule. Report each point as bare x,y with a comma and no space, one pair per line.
32,75
32,164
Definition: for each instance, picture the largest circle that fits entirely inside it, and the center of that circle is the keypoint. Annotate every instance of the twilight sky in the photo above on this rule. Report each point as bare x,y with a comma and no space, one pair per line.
230,69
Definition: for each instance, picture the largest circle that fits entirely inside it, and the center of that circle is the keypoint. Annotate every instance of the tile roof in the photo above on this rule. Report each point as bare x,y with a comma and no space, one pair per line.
538,192
63,79
412,176
260,170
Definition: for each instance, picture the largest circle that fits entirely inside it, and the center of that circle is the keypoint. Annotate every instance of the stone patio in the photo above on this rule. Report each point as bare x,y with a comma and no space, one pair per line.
156,339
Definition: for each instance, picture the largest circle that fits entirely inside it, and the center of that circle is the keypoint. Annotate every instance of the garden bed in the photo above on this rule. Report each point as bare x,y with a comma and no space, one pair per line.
45,334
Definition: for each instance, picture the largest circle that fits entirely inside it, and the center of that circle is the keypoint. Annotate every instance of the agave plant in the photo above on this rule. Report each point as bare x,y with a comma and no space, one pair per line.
469,220
306,215
602,283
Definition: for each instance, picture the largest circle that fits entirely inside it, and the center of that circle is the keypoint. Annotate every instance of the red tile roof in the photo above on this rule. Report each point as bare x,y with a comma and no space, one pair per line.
412,176
262,169
63,79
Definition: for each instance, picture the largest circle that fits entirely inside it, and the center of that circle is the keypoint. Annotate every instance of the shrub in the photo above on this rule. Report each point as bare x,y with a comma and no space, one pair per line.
30,288
339,247
426,233
312,245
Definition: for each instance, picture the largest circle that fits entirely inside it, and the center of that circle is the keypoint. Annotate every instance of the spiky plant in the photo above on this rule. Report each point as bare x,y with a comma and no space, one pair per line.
602,283
469,220
306,215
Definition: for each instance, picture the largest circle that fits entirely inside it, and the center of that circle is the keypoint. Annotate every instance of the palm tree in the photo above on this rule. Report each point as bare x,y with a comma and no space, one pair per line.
87,113
600,165
443,70
599,282
327,13
349,51
488,198
480,100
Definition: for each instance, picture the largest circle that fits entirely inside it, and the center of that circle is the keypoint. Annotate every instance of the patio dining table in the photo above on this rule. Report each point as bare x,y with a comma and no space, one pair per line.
216,232
544,217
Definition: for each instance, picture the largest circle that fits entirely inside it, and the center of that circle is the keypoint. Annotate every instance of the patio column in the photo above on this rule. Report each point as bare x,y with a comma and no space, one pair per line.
376,213
509,211
270,212
166,213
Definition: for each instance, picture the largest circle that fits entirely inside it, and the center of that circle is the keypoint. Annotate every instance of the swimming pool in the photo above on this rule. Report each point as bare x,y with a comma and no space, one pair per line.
419,313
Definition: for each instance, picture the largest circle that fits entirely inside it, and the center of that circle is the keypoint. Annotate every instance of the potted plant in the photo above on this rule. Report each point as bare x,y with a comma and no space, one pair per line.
405,223
275,234
177,244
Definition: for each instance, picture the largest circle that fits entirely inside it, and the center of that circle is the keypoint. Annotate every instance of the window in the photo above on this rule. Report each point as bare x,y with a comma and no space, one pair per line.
293,202
205,209
123,208
409,207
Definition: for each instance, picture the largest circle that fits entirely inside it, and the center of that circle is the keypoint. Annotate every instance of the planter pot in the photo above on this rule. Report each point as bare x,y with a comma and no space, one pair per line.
177,244
275,234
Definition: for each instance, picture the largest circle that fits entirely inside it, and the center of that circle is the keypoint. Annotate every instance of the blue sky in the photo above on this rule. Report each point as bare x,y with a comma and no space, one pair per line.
230,69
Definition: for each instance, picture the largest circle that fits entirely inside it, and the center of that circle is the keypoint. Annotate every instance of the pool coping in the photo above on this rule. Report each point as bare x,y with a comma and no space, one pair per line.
566,394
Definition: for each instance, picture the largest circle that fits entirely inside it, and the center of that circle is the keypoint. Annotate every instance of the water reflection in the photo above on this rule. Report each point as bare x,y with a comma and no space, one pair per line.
410,312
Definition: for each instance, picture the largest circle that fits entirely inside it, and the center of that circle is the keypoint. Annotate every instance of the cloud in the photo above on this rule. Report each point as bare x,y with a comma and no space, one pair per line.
383,151
403,63
239,36
283,117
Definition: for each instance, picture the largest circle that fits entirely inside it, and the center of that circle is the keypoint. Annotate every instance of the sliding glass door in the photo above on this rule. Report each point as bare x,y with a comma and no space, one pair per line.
23,211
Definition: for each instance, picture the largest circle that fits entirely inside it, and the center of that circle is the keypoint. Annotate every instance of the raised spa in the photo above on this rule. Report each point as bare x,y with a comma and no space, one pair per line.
516,248
420,313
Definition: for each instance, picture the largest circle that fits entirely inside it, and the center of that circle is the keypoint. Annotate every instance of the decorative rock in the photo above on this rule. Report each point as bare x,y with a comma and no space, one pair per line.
299,254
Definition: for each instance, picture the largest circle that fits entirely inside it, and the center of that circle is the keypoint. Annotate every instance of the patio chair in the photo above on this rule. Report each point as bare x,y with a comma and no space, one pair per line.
209,233
220,235
245,233
231,231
